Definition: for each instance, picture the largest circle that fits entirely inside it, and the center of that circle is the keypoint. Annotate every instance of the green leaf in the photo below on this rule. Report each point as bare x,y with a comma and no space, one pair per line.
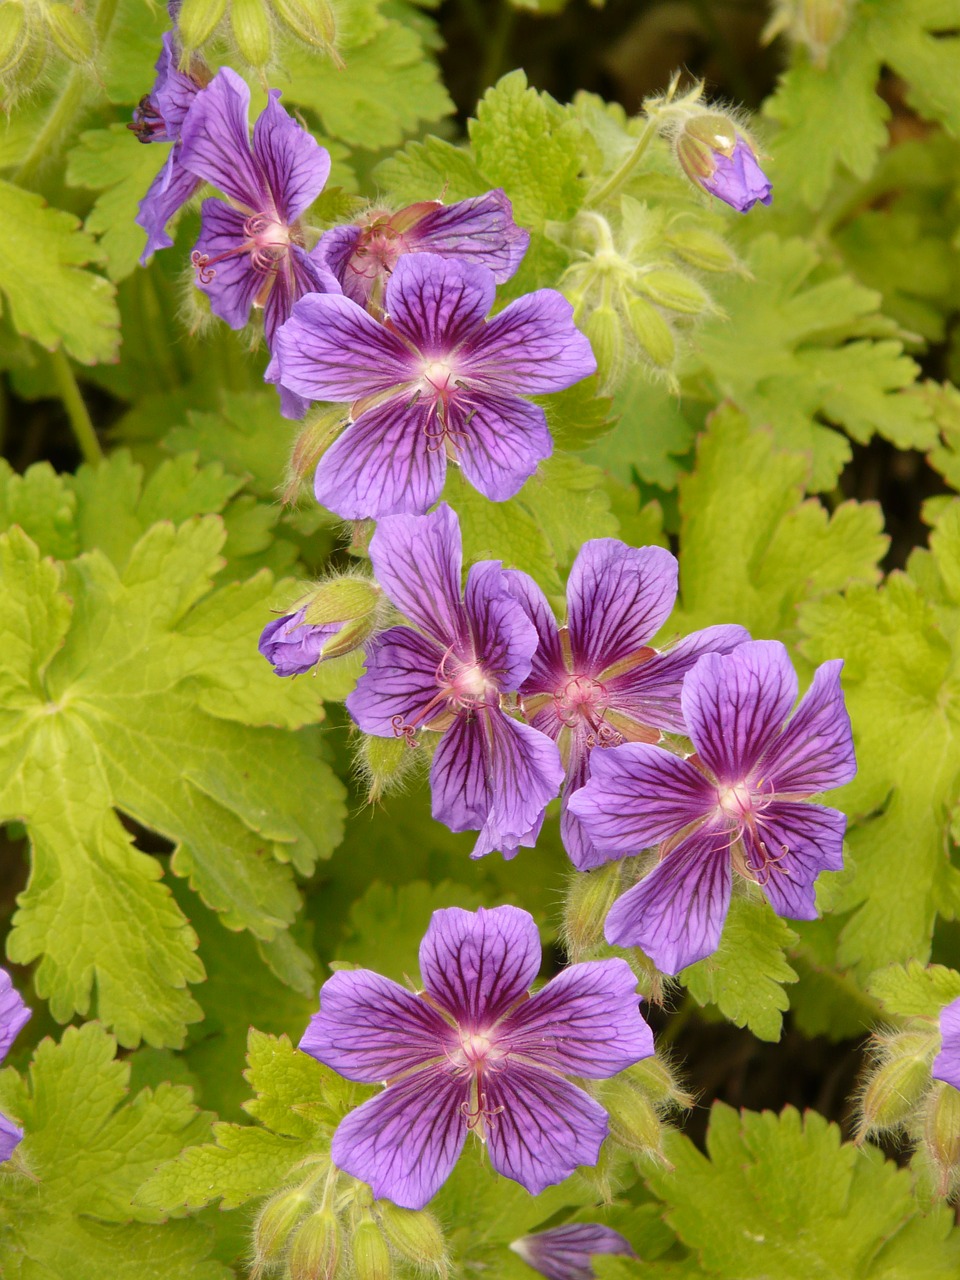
651,435
430,168
88,1147
744,977
42,504
913,991
56,302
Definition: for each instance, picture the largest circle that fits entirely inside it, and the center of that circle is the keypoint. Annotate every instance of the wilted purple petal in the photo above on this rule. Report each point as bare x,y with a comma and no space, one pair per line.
618,597
638,795
480,230
585,1022
946,1065
14,1014
405,1142
502,632
735,705
565,1253
676,913
437,303
476,964
546,1129
294,164
170,190
418,560
500,441
400,681
370,1028
216,141
523,775
531,347
738,179
815,751
800,841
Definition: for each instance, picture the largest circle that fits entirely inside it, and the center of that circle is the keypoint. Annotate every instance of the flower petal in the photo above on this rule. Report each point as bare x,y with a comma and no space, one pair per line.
546,1129
676,913
300,275
802,840
382,464
216,141
405,1142
400,680
14,1014
11,1136
504,637
735,705
585,1022
565,1252
417,560
437,303
638,795
167,194
524,774
480,230
232,284
294,164
617,597
476,964
547,670
174,91
530,348
333,252
330,349
500,441
370,1028
815,751
946,1065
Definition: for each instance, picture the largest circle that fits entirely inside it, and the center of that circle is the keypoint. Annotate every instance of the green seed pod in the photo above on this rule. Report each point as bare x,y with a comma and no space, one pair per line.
415,1235
14,35
674,291
634,1121
590,895
941,1134
198,21
70,32
701,249
315,1250
312,21
275,1223
652,332
252,31
371,1255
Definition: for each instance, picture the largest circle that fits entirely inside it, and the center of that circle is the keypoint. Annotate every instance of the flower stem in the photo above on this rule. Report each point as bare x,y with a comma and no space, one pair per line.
80,420
620,175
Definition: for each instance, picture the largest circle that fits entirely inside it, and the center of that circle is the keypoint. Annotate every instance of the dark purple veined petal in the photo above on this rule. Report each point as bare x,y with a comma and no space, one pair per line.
293,163
11,1136
333,252
815,751
369,1028
480,230
547,671
530,348
14,1014
676,913
174,91
476,964
459,776
564,1253
585,1022
638,795
581,850
617,597
504,637
418,560
233,283
547,1126
800,840
167,194
946,1065
405,1142
650,693
524,773
216,141
735,705
437,303
400,680
382,464
300,275
500,441
330,349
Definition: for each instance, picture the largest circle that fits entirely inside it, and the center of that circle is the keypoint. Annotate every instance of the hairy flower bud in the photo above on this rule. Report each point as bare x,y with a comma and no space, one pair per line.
252,31
674,291
198,20
333,620
14,35
71,32
701,249
371,1254
896,1084
715,155
315,1249
415,1234
319,432
312,21
652,332
590,895
657,1080
634,1121
385,762
275,1223
604,328
941,1134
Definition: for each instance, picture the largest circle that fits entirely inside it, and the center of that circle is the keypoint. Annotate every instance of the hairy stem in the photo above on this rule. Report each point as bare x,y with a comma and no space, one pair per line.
80,421
624,171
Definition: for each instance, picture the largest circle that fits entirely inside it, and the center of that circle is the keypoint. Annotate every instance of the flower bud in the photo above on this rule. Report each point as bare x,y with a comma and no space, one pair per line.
251,29
70,32
274,1224
198,20
590,895
14,35
336,618
655,1078
315,1251
941,1134
371,1256
319,432
701,249
675,291
820,25
718,158
652,332
897,1083
415,1235
603,328
385,762
634,1122
312,21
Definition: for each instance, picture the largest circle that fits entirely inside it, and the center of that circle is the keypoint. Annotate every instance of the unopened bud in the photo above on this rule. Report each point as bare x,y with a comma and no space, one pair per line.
820,25
590,895
675,291
604,328
371,1255
275,1223
320,430
701,249
415,1235
896,1084
634,1121
312,21
715,155
385,763
198,20
334,619
652,332
315,1251
14,34
655,1078
252,31
70,32
941,1134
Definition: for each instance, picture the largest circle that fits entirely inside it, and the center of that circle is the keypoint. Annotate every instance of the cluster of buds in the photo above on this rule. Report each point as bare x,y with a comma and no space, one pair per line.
329,1227
33,30
635,292
331,620
639,1103
251,25
817,25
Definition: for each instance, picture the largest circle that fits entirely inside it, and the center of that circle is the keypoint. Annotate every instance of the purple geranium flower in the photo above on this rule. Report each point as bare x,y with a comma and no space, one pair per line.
597,682
565,1253
435,381
740,801
946,1065
251,253
475,1051
13,1014
362,255
159,117
489,772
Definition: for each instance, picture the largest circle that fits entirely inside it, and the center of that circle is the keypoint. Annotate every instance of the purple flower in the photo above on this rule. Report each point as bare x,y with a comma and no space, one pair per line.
362,255
596,682
739,801
434,382
564,1253
293,646
159,117
946,1065
490,772
475,1051
13,1014
251,252
717,157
